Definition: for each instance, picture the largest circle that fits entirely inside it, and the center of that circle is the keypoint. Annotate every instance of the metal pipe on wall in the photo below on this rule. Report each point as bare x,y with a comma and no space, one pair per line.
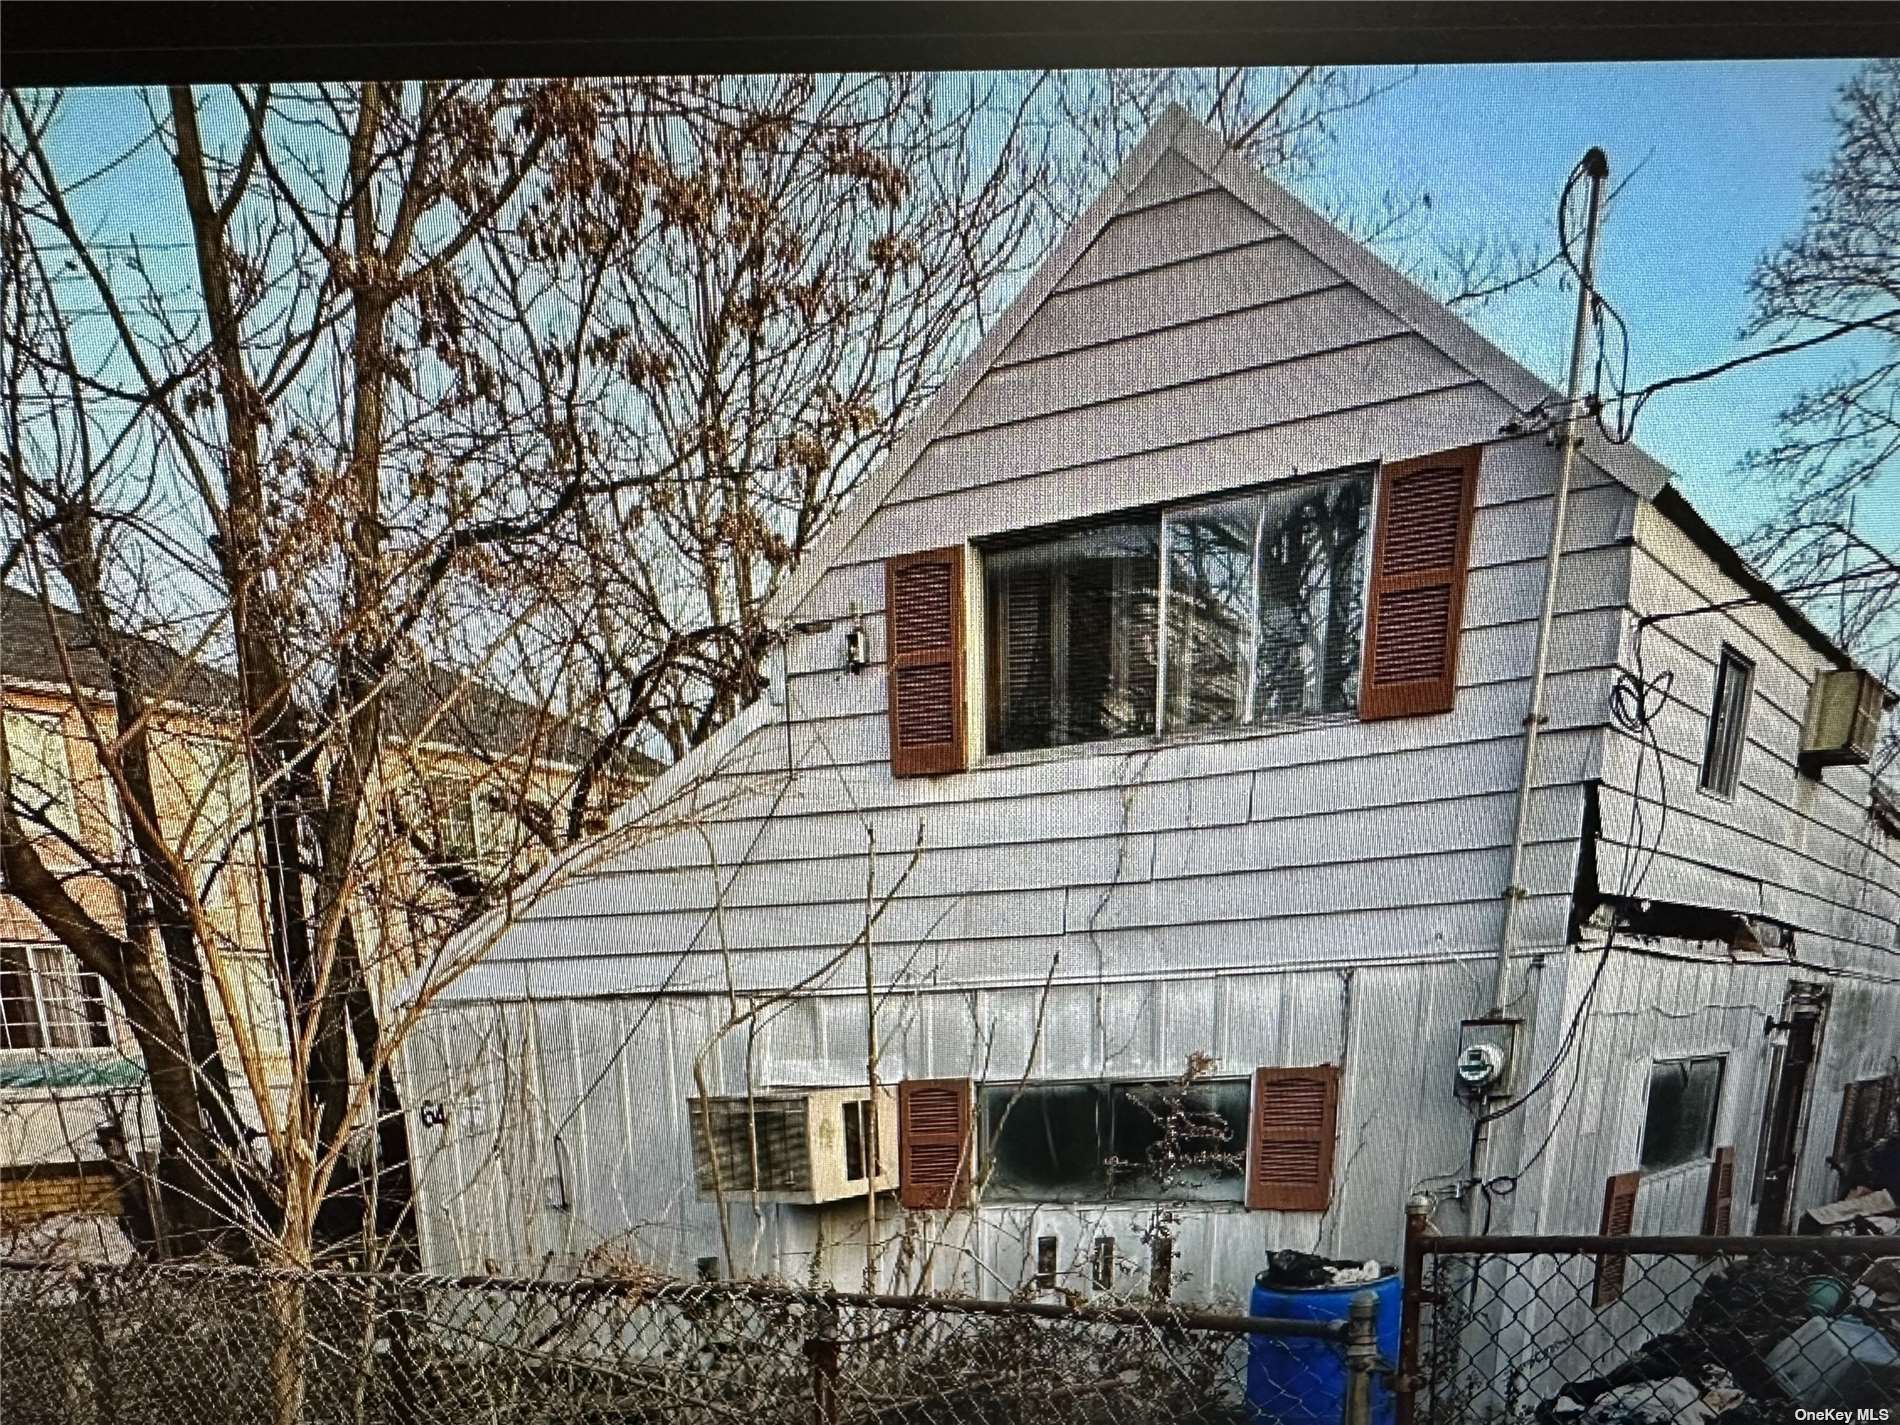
1596,165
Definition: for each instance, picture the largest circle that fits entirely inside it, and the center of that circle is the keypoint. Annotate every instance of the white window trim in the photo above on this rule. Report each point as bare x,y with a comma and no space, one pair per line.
1727,654
977,630
1725,1055
61,1053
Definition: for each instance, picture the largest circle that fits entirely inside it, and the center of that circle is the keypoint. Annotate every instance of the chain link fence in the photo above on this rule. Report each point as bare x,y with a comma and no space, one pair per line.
1649,1331
238,1346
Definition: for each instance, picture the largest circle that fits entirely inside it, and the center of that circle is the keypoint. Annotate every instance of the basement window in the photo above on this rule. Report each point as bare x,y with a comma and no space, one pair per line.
1228,613
1152,1140
1728,724
1679,1125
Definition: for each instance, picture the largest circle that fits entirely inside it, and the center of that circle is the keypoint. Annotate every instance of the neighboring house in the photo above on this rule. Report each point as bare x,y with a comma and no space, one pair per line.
66,1058
1161,703
462,755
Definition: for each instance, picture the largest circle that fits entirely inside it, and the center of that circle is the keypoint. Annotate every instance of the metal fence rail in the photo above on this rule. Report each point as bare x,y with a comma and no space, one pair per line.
238,1346
1647,1329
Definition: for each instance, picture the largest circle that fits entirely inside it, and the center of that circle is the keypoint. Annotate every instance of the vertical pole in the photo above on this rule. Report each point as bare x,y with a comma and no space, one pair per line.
1412,1288
823,1350
1362,1356
1597,167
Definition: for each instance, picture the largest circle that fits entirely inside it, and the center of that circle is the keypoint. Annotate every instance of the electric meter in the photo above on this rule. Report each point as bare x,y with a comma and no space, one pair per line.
1479,1067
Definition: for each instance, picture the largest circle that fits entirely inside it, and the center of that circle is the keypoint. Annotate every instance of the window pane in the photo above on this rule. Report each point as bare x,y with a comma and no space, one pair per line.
857,1133
1046,1141
19,1006
1679,1125
1211,611
1180,1143
216,796
1072,637
1265,604
452,813
1312,578
1728,724
42,778
257,990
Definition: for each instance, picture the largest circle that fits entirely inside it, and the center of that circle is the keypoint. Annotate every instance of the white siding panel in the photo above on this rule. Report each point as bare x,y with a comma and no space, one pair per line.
1172,177
642,1067
1384,369
1155,236
1177,356
1186,292
1577,700
1390,429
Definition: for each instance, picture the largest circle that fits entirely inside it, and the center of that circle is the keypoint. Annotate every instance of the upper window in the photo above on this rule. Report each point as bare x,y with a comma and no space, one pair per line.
452,814
1679,1126
1728,723
1146,1140
42,776
1264,601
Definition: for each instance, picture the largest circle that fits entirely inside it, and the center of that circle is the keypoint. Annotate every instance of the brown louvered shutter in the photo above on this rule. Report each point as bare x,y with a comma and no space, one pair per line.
1844,1145
1416,600
1870,1114
933,1142
1719,1211
1290,1161
1619,1217
923,607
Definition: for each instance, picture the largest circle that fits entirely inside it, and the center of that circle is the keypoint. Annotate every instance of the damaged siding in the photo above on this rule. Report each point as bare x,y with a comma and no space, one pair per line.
1796,850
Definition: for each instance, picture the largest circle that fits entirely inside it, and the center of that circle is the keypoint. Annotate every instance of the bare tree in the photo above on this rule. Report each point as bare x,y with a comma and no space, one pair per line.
1835,464
408,392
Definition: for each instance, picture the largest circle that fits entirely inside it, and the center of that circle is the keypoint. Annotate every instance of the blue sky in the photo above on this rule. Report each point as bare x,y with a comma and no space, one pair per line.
1726,147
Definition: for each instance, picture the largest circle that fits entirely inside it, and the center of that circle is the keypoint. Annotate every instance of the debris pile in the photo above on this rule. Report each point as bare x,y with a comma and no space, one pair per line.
1761,1337
1293,1270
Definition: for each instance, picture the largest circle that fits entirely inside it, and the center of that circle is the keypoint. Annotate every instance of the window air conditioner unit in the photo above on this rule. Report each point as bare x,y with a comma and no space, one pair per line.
804,1146
1845,706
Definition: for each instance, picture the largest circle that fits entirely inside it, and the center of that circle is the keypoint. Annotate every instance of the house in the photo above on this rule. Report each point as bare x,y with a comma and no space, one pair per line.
462,758
66,1058
1133,806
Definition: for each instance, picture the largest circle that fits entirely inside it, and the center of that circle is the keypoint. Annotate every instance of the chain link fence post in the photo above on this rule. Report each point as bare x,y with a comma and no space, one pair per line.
822,1348
1418,1226
1362,1357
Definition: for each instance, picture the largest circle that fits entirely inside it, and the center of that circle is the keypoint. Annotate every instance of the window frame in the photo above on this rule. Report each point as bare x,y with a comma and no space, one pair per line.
100,1027
65,812
1705,1151
462,783
985,653
1707,781
987,1136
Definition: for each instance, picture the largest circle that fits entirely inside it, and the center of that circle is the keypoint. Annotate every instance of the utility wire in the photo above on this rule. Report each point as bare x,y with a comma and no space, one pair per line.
1626,404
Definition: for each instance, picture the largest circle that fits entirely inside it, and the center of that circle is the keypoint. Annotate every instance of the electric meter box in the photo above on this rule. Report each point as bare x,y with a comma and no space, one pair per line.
1487,1056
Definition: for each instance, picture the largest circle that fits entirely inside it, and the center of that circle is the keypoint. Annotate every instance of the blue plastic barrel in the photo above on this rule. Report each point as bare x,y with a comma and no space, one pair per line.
1301,1380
